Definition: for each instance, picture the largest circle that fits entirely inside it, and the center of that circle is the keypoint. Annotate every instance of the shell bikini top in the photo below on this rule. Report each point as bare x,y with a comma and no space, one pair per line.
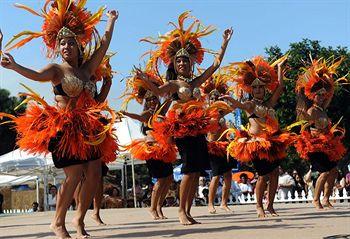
72,86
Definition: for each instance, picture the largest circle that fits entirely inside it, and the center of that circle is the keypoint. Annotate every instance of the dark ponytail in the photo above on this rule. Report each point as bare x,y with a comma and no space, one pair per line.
171,73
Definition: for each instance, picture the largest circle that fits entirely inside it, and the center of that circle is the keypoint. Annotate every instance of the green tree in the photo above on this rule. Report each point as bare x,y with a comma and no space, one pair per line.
299,56
7,133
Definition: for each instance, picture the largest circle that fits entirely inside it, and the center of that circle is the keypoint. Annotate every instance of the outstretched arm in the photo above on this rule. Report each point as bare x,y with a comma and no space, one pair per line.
218,59
167,88
106,86
96,58
142,118
278,92
46,74
247,106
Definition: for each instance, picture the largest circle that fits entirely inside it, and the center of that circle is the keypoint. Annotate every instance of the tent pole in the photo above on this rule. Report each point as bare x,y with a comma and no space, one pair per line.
37,190
133,180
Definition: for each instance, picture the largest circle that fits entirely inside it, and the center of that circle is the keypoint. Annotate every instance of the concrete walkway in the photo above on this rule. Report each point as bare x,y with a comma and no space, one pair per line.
295,221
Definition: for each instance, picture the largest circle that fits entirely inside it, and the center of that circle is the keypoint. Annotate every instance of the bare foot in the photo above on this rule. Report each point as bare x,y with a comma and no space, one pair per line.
327,204
272,211
98,220
317,204
261,213
191,219
184,219
211,209
226,208
80,227
160,213
60,231
154,214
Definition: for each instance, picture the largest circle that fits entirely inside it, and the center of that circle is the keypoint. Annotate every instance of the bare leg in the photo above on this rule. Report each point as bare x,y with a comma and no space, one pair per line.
213,187
165,188
154,199
328,187
64,199
259,191
226,191
273,184
319,188
97,204
194,187
87,192
183,195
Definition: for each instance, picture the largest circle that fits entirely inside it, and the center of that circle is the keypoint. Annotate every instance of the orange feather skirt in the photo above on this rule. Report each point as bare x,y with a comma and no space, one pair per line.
85,130
218,148
269,146
192,118
325,142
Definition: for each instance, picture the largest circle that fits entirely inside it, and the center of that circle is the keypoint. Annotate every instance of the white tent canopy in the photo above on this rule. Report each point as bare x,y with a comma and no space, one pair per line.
10,180
19,162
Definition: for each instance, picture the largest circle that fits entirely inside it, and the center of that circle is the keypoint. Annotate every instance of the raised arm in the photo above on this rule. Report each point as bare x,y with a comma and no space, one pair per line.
96,58
48,73
218,59
106,86
278,92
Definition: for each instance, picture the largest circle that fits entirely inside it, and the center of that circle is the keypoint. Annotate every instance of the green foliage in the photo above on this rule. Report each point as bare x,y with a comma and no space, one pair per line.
7,134
299,56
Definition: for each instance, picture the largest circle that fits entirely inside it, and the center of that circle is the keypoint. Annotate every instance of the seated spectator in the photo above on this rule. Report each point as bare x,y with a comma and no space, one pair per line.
52,198
35,207
235,191
111,197
299,186
245,186
285,183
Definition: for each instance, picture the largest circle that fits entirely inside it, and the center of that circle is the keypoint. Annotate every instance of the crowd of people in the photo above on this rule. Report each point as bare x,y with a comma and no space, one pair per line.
183,113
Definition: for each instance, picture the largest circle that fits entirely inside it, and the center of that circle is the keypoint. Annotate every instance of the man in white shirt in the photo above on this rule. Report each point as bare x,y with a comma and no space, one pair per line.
245,186
285,183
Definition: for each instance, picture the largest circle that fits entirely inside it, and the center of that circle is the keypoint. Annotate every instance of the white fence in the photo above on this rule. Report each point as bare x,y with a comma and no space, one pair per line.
242,199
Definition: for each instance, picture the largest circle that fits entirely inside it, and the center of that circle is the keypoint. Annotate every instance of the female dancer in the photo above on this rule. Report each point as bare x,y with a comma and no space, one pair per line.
217,145
262,143
159,155
320,142
189,120
72,130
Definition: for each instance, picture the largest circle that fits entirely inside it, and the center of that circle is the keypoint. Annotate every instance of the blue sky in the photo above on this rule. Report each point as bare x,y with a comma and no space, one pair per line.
257,24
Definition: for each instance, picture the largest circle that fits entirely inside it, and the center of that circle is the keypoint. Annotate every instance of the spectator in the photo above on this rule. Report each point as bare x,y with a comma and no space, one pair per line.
35,207
111,197
245,186
299,186
285,183
235,191
171,197
52,198
203,190
347,183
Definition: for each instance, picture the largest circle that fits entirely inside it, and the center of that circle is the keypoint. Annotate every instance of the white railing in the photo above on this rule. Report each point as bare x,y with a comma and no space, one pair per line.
242,199
17,211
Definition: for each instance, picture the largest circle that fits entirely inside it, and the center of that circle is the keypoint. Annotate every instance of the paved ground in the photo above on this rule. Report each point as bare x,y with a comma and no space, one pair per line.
295,221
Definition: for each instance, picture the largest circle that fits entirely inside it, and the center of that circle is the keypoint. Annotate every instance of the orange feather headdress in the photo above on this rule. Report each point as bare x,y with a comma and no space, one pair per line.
63,18
319,75
217,83
254,72
180,42
137,88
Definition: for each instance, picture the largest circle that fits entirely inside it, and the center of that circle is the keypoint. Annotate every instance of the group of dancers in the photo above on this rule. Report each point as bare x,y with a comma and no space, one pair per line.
184,110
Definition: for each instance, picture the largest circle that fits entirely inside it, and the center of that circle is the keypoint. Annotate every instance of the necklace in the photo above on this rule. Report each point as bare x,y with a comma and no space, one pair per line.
258,101
186,79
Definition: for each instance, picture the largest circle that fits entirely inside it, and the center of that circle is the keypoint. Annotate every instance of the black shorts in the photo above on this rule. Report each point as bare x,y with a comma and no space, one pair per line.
105,169
194,154
62,162
219,165
159,169
320,162
263,167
